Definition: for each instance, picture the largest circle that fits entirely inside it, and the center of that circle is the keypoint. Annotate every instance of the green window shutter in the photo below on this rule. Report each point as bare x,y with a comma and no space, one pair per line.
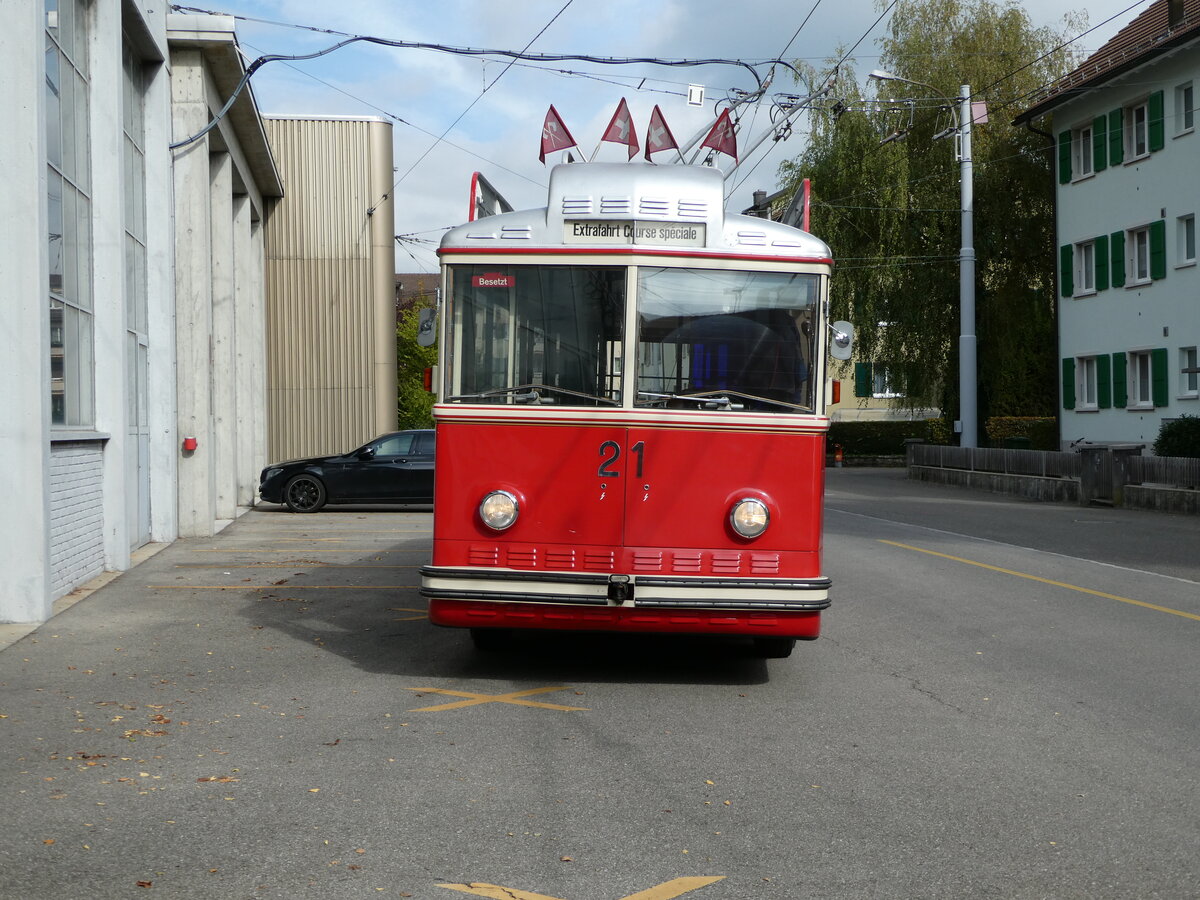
1120,390
1068,383
1116,140
1066,269
1100,143
862,379
1117,259
1159,378
1064,157
1155,126
1101,256
1103,381
1158,249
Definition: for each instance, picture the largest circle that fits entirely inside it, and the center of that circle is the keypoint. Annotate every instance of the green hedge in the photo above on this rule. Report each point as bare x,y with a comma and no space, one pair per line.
877,438
887,438
1042,433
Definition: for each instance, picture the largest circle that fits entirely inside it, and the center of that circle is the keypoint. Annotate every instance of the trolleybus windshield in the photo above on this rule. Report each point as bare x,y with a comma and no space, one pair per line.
536,334
709,339
719,339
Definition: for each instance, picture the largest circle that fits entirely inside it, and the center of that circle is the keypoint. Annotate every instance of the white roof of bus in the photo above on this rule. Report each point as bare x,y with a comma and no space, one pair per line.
629,192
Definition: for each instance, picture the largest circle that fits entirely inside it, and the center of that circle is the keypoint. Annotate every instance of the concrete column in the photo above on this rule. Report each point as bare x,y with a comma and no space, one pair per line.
25,311
112,387
193,296
160,321
248,351
383,278
224,318
258,287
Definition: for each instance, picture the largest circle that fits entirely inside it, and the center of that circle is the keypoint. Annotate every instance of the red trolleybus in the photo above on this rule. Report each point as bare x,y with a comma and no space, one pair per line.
630,427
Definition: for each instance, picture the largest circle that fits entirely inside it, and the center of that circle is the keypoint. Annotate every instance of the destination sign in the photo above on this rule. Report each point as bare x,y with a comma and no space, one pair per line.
670,234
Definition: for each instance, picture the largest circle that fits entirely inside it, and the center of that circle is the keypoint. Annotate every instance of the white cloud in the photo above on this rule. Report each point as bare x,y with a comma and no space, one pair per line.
502,129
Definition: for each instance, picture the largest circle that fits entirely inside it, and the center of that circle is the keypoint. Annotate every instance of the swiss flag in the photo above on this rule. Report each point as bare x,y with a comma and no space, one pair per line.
620,129
658,135
723,138
554,134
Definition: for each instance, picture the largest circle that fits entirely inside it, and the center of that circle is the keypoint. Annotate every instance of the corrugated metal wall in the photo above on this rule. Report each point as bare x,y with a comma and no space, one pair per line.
331,355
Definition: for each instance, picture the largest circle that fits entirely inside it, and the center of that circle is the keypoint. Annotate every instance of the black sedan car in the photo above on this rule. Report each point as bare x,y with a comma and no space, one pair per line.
393,468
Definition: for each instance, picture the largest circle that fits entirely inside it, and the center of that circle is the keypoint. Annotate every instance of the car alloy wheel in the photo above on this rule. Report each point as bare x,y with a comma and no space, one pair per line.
304,494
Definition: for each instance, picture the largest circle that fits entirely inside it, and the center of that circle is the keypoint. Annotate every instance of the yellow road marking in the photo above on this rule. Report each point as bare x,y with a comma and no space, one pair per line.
317,540
474,699
424,613
235,550
284,587
1061,584
665,891
296,565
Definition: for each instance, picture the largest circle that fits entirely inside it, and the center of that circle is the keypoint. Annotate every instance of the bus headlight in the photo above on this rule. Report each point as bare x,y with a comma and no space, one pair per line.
749,517
499,510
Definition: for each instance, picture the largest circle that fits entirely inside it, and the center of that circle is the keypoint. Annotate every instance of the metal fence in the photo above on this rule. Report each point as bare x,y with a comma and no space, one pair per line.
1044,464
1175,471
1171,471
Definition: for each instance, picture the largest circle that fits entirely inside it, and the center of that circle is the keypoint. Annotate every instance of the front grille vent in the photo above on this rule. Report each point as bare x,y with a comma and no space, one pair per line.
576,206
615,206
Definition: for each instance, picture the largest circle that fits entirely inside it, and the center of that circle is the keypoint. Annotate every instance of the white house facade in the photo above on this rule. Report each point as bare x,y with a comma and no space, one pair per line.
1128,193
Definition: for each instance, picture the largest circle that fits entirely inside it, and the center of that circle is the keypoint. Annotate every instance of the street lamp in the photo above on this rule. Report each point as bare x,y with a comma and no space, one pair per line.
967,389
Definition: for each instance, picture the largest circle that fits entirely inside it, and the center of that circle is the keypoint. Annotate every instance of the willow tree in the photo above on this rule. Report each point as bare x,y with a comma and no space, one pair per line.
890,209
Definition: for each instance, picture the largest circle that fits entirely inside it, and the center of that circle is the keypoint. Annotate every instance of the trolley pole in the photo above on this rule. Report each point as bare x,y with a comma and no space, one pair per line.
967,371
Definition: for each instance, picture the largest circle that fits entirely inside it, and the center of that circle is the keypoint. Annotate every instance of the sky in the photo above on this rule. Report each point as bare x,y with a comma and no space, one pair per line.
455,114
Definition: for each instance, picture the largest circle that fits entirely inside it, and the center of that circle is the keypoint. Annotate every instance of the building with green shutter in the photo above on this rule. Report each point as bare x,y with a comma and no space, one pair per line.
1128,173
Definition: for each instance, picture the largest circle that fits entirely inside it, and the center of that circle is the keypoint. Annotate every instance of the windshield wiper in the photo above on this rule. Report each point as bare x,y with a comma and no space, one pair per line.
532,394
720,400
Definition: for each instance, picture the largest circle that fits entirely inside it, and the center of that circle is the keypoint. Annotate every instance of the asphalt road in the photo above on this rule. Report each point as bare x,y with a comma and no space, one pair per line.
1004,704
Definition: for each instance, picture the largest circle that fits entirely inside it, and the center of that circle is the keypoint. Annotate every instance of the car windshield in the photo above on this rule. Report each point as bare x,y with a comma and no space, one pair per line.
713,339
536,334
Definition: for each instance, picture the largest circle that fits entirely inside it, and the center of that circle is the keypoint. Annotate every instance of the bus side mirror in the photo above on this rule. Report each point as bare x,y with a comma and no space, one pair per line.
841,340
427,327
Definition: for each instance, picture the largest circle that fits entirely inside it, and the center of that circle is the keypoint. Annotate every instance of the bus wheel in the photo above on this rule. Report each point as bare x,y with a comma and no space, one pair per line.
773,647
489,640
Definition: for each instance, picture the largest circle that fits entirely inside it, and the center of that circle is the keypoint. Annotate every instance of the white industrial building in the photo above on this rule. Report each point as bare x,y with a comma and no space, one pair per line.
131,289
1128,193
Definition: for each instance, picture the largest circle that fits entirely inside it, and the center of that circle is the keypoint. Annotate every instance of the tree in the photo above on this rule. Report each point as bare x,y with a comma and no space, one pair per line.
415,404
891,212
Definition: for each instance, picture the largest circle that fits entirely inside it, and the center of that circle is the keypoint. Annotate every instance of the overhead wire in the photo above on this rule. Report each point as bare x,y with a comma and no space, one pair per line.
471,105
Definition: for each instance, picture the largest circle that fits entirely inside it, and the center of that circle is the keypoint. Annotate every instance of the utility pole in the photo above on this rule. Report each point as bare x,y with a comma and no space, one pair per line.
967,372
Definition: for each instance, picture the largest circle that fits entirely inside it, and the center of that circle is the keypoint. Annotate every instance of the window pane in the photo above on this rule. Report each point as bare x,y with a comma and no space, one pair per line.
704,331
70,146
70,365
552,327
81,173
70,289
83,248
1189,380
66,26
54,209
51,7
53,106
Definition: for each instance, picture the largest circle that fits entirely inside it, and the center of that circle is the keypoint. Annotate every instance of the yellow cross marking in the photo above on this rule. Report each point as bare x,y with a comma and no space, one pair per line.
476,699
1061,584
665,891
424,614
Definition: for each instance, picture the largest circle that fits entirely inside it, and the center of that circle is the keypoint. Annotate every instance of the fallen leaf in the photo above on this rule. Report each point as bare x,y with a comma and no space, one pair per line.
145,884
